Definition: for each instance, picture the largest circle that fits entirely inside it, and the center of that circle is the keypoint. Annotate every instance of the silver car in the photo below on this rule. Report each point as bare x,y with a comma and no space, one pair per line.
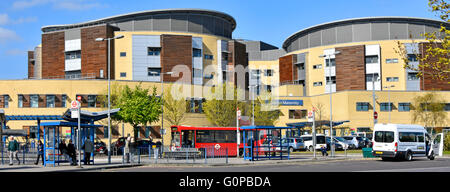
293,144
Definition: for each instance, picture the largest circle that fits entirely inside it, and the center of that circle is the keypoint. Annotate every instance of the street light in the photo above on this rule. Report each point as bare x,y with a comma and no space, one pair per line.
162,106
328,56
389,97
109,89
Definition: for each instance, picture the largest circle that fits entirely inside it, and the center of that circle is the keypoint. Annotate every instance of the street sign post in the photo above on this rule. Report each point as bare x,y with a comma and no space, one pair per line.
75,113
311,118
238,136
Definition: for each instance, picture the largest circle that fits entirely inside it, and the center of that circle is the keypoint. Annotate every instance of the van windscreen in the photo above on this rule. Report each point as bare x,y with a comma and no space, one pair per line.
384,136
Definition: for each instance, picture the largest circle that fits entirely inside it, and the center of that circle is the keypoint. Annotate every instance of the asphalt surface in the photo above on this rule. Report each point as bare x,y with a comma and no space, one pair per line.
372,165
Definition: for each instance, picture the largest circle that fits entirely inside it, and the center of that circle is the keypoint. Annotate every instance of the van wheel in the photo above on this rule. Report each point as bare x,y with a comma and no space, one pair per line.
408,156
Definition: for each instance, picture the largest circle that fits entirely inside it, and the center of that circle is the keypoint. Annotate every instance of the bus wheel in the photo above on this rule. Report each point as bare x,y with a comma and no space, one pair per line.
311,148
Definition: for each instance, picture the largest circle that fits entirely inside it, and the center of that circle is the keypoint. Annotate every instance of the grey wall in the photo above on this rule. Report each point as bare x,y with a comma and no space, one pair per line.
141,60
358,32
195,23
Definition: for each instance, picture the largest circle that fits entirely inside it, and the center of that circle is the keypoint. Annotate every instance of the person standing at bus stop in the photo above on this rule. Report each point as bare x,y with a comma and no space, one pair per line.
40,148
88,149
13,148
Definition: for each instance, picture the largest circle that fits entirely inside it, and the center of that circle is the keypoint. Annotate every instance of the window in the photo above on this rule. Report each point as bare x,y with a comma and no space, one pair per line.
404,106
371,59
196,52
319,66
268,72
224,56
315,84
50,101
194,105
412,76
20,101
333,79
154,51
63,101
73,55
391,79
384,136
255,74
362,106
91,101
269,88
297,114
386,106
34,101
391,60
333,62
215,136
446,107
372,76
154,72
6,101
410,137
300,66
123,74
412,58
73,74
209,57
123,54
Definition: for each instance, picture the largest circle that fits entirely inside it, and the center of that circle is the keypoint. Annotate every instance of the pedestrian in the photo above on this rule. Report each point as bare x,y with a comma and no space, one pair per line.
88,149
127,148
13,148
63,150
324,151
40,152
72,152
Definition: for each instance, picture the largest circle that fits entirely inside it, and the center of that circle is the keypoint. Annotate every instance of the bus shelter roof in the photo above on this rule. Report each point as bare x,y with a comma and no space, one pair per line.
69,124
262,127
309,124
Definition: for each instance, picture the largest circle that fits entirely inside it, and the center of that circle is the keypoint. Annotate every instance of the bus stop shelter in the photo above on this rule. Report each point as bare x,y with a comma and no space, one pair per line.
52,137
264,142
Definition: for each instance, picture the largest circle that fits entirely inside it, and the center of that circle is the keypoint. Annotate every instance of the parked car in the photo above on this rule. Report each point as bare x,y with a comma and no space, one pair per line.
143,144
100,147
293,144
339,144
119,144
352,141
342,142
367,142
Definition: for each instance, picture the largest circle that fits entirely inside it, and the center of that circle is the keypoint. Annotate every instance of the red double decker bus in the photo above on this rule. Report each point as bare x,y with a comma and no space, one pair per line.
207,137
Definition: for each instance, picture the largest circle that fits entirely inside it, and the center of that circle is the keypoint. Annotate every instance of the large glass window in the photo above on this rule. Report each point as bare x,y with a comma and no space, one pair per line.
63,101
216,136
411,137
362,106
372,76
268,72
91,101
371,59
154,72
412,58
73,55
196,52
384,136
6,101
34,101
154,51
331,80
386,106
332,61
50,101
20,101
404,106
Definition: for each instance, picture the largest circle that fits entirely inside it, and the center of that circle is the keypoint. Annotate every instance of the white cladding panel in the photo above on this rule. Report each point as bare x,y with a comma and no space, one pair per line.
73,45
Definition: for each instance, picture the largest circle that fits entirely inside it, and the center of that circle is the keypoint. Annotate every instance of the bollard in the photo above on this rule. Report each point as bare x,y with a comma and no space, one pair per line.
227,155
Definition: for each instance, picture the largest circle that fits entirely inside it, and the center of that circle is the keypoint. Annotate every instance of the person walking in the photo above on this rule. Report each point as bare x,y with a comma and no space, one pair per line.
88,149
40,152
324,150
13,148
72,152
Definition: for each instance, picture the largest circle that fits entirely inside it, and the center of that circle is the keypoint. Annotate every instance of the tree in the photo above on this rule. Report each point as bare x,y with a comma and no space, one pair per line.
137,107
102,98
319,113
220,110
174,110
266,112
429,110
434,56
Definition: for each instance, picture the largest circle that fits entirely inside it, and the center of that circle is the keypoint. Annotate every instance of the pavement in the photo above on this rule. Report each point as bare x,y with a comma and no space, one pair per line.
101,163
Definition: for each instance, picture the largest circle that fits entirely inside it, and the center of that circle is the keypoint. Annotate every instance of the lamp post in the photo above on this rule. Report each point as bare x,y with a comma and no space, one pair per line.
109,89
389,97
328,56
375,121
162,105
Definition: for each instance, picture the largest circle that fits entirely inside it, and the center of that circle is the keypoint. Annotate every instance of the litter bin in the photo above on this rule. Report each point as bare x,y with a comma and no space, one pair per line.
367,153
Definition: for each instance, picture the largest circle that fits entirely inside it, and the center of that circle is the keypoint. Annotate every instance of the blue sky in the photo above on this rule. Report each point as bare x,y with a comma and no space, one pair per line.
268,21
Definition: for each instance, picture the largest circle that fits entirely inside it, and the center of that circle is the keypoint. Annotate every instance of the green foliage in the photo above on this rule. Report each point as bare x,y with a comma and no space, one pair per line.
447,142
137,107
266,112
174,108
429,110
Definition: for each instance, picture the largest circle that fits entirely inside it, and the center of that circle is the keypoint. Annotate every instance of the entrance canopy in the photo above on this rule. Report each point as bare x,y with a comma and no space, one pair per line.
69,124
89,117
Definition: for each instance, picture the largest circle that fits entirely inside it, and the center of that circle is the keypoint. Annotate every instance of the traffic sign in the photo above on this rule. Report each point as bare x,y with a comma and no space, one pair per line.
79,98
375,115
239,114
74,105
217,146
310,116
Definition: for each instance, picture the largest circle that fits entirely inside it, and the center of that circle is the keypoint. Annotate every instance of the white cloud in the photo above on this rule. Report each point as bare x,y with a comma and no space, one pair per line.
5,20
7,35
71,5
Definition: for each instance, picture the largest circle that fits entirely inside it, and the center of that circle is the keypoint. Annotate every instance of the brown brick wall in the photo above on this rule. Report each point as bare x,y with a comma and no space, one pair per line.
237,56
94,55
53,59
350,68
427,83
2,101
286,69
30,64
176,50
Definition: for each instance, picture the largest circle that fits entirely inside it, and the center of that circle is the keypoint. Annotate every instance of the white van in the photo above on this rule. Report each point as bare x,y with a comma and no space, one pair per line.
401,141
308,142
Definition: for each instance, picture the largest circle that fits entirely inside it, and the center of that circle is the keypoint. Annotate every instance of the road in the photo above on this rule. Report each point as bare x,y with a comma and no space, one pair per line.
373,165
